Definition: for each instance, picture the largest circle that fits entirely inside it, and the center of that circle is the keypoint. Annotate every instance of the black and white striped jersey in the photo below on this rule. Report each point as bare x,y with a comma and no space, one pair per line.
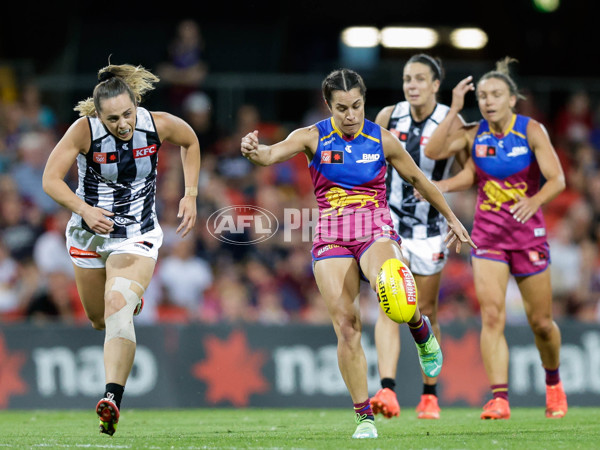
414,219
120,176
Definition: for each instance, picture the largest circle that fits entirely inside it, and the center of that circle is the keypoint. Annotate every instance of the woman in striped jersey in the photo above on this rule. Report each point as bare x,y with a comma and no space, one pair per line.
113,236
420,225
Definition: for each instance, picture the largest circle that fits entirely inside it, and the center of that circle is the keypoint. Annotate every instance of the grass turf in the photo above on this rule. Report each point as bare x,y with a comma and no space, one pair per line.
458,428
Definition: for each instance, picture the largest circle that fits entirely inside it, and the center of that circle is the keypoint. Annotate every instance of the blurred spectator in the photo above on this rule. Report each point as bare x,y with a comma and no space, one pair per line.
232,297
185,67
457,291
315,312
595,133
270,310
50,252
54,300
10,119
28,283
574,121
184,277
528,106
566,268
318,111
6,156
34,148
230,164
584,165
198,112
9,298
296,280
35,116
19,233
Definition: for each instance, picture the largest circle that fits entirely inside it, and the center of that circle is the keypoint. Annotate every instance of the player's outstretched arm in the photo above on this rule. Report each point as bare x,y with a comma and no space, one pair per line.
449,137
300,140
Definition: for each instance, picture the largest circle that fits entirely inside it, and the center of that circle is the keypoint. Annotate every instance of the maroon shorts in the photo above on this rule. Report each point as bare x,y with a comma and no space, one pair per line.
354,249
522,262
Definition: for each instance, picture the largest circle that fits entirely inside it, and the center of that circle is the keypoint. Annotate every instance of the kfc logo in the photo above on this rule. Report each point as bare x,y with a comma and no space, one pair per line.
144,151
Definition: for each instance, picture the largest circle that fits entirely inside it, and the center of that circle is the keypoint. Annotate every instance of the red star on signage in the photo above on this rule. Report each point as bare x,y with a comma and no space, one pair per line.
10,381
231,370
463,375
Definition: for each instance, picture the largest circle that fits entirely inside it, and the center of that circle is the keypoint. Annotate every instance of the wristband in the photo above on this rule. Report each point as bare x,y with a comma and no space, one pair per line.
191,191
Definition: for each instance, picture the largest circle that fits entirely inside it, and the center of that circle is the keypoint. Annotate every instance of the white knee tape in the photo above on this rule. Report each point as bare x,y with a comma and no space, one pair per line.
120,324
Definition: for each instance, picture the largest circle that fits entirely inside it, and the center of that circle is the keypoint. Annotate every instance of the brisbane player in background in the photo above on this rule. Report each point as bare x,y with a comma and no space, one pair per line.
510,154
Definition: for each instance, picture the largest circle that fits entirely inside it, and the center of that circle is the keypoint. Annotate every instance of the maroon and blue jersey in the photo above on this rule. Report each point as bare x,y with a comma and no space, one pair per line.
506,170
349,184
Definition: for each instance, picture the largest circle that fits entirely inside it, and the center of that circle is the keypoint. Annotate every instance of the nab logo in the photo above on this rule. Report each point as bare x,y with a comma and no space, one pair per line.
242,224
144,151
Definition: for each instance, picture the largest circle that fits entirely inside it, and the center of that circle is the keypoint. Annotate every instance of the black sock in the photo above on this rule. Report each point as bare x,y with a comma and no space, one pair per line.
116,393
430,389
388,383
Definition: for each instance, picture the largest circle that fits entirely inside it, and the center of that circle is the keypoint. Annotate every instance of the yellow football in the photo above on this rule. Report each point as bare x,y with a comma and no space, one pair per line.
397,291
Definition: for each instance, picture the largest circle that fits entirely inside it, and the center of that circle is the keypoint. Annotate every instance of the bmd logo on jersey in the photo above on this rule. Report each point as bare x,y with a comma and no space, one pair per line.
242,224
144,151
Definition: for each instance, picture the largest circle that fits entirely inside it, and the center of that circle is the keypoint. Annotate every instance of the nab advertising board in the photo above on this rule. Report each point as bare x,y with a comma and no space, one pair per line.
269,366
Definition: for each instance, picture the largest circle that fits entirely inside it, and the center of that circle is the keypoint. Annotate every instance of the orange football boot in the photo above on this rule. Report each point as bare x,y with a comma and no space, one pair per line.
428,407
556,401
496,408
386,403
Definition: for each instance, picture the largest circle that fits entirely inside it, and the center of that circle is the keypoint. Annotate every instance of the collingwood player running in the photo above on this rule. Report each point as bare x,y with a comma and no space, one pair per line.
420,225
113,236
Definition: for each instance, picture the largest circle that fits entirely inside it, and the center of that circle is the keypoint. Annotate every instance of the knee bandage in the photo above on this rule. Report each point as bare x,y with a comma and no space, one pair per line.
120,324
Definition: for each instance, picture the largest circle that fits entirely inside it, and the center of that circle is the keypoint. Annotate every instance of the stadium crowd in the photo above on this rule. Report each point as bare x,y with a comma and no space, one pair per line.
203,279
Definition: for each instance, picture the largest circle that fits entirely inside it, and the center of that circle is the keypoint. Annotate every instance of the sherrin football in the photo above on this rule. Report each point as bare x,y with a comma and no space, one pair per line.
397,291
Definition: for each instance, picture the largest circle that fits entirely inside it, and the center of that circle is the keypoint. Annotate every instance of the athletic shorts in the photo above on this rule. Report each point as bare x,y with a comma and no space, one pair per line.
425,256
90,251
522,262
323,249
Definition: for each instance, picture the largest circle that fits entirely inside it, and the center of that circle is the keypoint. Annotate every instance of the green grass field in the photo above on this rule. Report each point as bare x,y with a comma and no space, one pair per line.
459,428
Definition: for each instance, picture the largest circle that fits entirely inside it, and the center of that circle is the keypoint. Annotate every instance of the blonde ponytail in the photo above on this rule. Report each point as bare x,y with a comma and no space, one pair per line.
115,80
